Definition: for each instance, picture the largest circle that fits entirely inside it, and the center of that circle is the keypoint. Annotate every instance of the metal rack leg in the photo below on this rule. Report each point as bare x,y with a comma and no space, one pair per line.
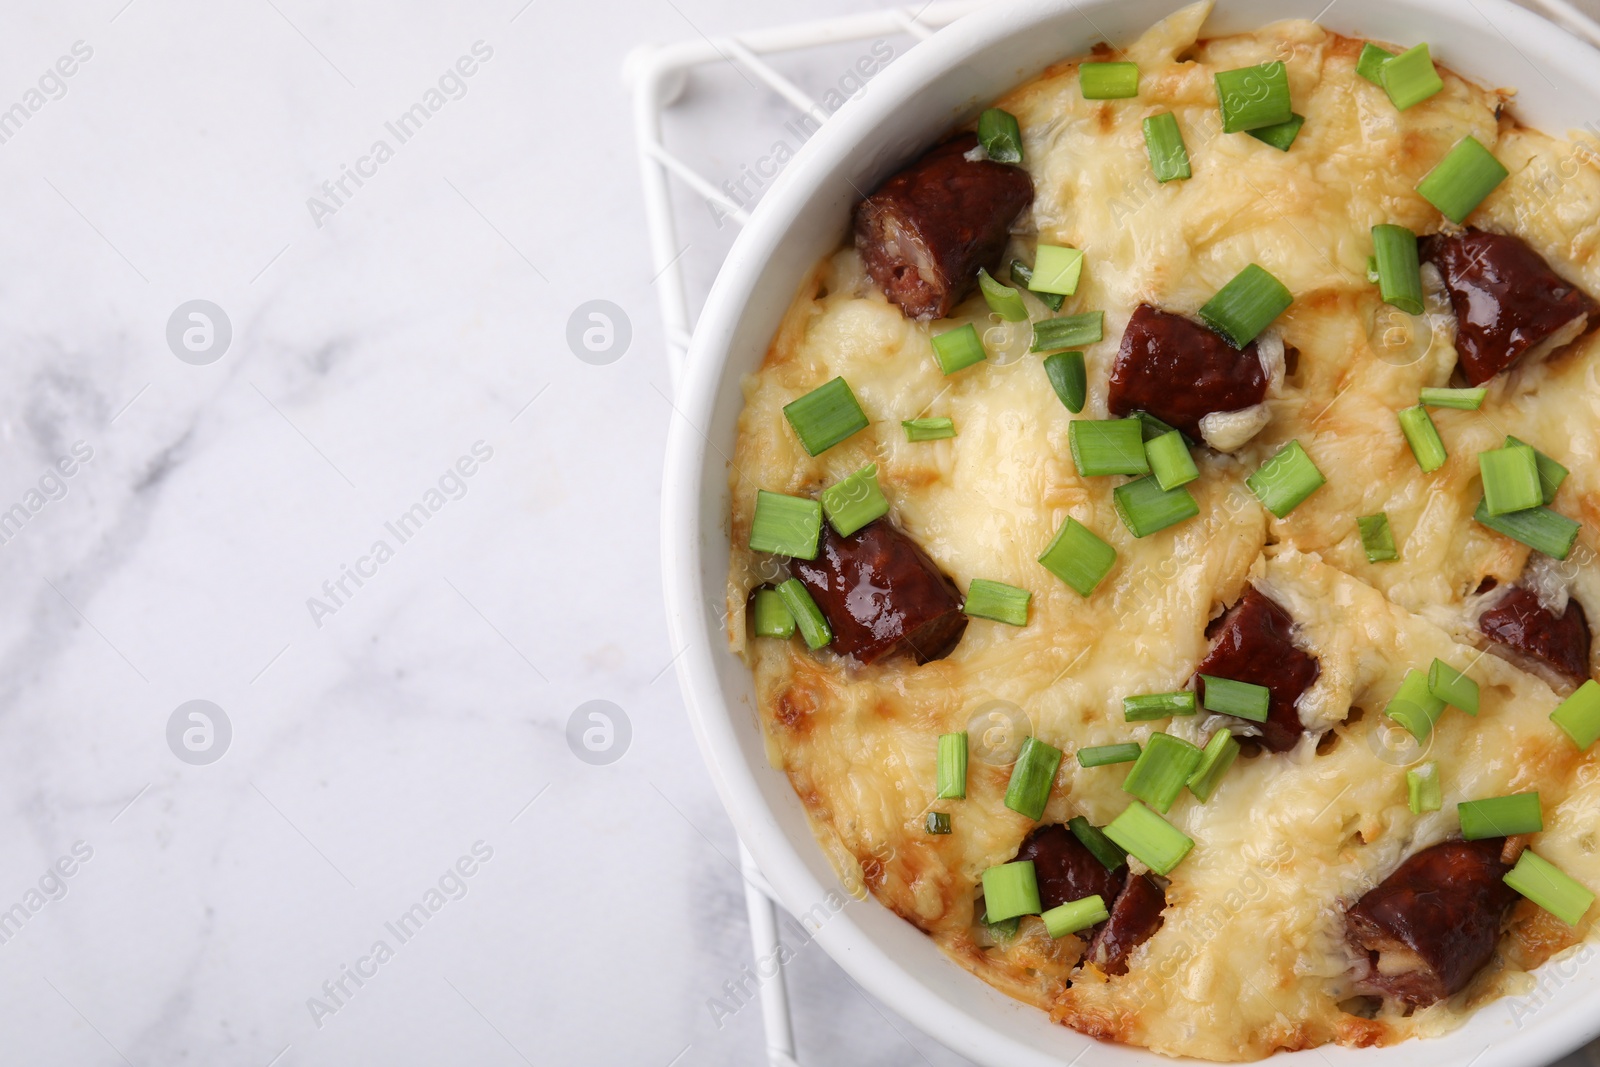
764,942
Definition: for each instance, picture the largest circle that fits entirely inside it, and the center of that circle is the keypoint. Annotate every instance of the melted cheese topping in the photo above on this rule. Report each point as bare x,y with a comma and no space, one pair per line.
1252,955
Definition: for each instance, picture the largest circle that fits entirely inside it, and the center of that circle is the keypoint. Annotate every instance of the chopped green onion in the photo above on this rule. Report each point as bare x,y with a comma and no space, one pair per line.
825,416
1423,789
1253,97
1285,480
1215,759
1145,507
1414,706
1056,270
1519,813
1152,427
933,429
937,822
1106,755
952,779
1110,855
1579,715
787,525
1170,460
1010,890
958,349
1069,378
1460,399
997,601
1372,269
1549,887
1108,81
853,502
1229,697
1157,843
1162,770
1551,473
807,616
1147,706
1022,274
1280,135
1107,446
1069,331
1510,480
1076,915
1468,173
1539,528
1246,305
772,619
1078,557
1423,437
1399,276
1003,931
1000,135
1453,687
1409,78
1377,539
1032,777
1002,299
1169,158
1370,63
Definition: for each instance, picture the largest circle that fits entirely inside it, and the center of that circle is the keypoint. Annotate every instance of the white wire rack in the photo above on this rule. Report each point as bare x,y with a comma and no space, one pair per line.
657,76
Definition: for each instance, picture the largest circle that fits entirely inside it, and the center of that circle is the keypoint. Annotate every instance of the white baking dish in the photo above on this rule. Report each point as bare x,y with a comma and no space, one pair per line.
805,215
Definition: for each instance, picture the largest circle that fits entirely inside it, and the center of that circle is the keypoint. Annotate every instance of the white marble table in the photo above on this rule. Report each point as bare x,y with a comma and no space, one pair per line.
374,512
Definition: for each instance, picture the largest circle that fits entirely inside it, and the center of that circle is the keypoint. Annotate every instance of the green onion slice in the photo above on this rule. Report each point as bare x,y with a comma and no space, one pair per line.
1215,759
1076,915
1579,715
1069,378
1108,81
1056,270
1162,770
1551,473
1539,528
1370,63
807,616
1069,331
1510,480
1280,135
1460,399
1372,269
1107,446
1147,706
854,501
958,349
1377,539
1519,813
1010,890
1169,158
1022,274
1078,557
1453,687
1423,789
1246,305
1253,97
1106,755
787,525
1032,777
1549,887
1468,173
1170,460
952,771
1107,851
1157,843
1152,427
1145,507
1002,299
1000,135
1423,437
997,601
1285,480
931,429
1410,78
1229,697
825,416
772,619
937,822
1414,707
1399,275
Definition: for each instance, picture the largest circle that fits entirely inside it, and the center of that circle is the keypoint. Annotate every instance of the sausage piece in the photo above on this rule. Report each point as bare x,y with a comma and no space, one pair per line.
1507,300
1180,371
1253,645
1433,923
1134,918
927,230
1519,622
881,593
1065,869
